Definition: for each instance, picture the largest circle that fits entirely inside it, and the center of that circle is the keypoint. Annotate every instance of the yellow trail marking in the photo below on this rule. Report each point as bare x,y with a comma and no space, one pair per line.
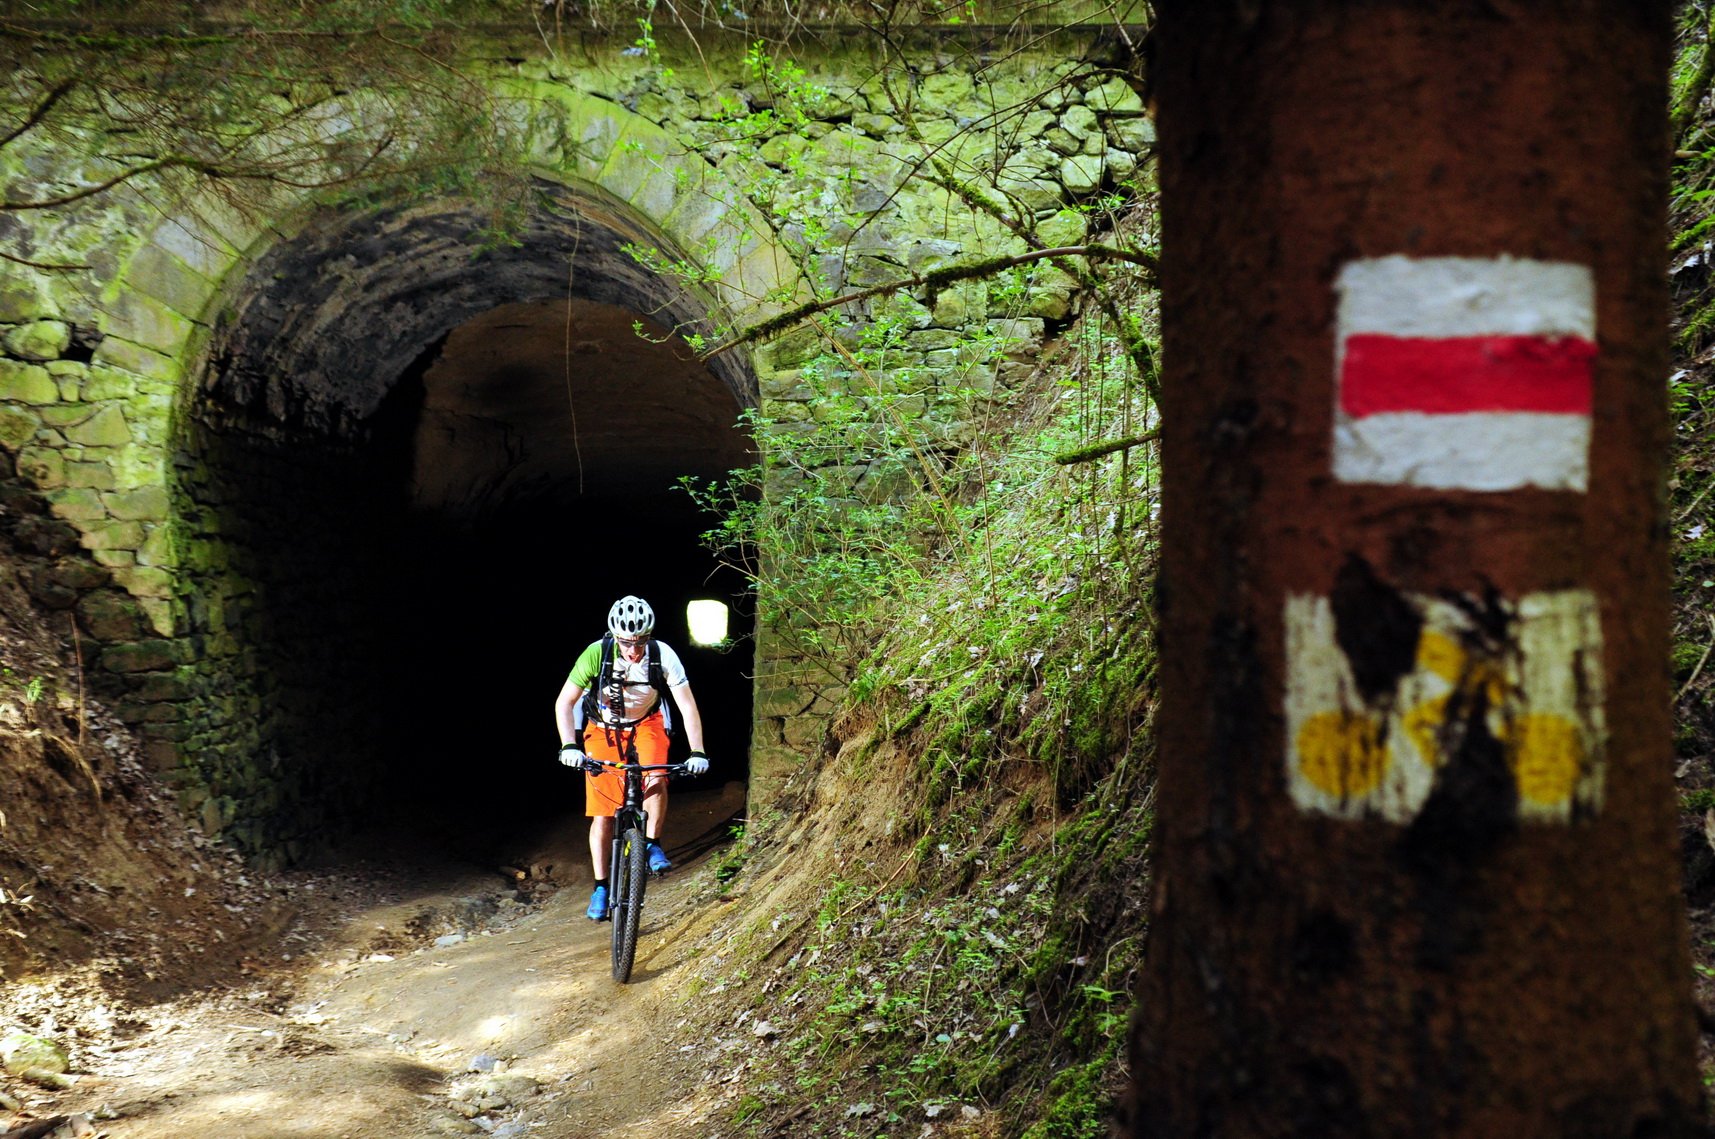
1546,756
1341,754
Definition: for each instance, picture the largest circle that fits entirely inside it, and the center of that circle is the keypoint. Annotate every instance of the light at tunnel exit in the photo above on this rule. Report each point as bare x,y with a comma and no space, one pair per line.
707,621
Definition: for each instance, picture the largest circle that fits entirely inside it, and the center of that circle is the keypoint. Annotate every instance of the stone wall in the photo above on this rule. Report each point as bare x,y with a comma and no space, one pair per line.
153,439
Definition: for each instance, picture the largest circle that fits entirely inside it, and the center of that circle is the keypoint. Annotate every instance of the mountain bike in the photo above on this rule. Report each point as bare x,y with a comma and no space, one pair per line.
628,858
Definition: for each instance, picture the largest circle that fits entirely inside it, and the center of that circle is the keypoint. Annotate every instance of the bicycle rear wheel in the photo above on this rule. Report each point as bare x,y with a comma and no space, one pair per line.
632,871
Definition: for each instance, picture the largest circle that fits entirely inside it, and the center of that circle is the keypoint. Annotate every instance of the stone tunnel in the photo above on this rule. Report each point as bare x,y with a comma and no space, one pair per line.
416,475
334,493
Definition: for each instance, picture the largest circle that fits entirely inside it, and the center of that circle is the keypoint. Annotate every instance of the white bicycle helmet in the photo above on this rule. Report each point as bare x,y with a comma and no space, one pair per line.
631,617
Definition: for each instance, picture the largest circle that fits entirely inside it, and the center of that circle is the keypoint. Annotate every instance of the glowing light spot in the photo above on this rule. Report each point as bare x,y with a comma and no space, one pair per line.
1341,754
708,622
1546,756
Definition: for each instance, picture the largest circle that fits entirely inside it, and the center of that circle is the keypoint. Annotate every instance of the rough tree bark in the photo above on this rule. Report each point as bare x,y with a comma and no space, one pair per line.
1417,870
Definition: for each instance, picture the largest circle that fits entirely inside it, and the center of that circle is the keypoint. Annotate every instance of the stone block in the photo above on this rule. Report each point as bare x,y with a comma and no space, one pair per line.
95,475
1062,142
23,296
1067,227
42,467
700,209
932,253
144,581
76,504
951,311
144,362
154,687
157,547
1081,174
112,536
75,573
157,273
142,656
39,340
110,616
147,504
161,614
63,415
17,427
110,383
106,428
1115,97
1134,135
141,319
27,383
1032,193
195,246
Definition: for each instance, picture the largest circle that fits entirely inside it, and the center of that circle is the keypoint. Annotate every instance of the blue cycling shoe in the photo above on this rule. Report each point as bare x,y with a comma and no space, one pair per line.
598,904
659,863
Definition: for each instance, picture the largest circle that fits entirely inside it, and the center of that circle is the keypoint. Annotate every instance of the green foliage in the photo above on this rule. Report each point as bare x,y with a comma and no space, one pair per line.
1017,672
30,689
1698,801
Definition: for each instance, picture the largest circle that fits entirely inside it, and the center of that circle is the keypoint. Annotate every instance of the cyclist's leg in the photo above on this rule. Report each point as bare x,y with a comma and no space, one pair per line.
652,748
601,838
603,793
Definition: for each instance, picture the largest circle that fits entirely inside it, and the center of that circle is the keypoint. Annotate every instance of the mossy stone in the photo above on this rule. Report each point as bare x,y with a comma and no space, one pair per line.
27,383
17,427
106,428
146,504
20,1051
43,467
39,340
110,616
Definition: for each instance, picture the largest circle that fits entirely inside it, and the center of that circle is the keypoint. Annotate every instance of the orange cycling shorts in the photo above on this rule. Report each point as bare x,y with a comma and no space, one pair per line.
604,790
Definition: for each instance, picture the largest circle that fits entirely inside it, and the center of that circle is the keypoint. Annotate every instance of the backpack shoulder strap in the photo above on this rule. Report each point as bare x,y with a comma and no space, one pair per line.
603,677
658,681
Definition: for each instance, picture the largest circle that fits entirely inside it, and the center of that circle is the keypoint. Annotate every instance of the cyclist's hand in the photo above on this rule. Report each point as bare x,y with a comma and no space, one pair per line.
572,756
697,763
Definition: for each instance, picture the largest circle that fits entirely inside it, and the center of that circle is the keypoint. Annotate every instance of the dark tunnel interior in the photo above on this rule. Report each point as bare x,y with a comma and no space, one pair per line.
518,530
406,592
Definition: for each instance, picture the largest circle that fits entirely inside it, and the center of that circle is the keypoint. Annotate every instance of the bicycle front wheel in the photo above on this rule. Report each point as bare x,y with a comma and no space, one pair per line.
633,873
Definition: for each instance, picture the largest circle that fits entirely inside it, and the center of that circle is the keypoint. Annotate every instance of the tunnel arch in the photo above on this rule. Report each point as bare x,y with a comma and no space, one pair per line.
410,477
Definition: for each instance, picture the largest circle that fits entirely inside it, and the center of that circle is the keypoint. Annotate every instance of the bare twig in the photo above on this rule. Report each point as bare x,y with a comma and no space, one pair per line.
1701,661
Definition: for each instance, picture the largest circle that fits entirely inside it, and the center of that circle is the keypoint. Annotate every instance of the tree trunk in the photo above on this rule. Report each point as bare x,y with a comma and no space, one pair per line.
1417,871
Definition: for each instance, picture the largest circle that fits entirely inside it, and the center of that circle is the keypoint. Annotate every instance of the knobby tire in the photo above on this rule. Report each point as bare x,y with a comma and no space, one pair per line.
633,874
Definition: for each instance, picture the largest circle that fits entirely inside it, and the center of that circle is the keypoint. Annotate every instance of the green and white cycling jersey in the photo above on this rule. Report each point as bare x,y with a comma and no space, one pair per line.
640,697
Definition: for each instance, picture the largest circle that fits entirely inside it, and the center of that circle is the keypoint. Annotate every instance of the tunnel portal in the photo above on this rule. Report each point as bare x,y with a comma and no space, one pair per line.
416,476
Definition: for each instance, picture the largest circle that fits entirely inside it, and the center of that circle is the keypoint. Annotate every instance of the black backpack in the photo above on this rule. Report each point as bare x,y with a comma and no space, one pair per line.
608,683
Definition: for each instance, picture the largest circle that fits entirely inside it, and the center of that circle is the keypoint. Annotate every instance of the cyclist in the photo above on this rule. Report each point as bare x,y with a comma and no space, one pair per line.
616,692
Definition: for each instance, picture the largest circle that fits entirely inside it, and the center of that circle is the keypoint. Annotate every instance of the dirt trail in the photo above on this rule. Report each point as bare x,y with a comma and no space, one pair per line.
430,1003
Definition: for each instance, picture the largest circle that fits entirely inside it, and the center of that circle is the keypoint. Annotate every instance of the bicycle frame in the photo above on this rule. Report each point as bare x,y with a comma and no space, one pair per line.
627,855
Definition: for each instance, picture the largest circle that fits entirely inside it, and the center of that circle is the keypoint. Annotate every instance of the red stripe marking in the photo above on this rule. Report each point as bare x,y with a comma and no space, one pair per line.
1446,375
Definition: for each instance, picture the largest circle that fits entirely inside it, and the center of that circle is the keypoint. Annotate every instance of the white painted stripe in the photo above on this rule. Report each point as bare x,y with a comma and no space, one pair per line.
1484,451
1466,296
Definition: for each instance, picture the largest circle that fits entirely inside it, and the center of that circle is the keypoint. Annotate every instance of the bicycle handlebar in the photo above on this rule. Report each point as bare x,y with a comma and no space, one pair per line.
675,768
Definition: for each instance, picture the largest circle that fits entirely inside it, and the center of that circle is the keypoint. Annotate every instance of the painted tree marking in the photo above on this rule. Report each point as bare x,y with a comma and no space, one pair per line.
1464,373
1524,678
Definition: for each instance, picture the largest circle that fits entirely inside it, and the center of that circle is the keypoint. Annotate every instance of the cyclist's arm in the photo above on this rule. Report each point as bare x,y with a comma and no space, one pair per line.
688,709
566,709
